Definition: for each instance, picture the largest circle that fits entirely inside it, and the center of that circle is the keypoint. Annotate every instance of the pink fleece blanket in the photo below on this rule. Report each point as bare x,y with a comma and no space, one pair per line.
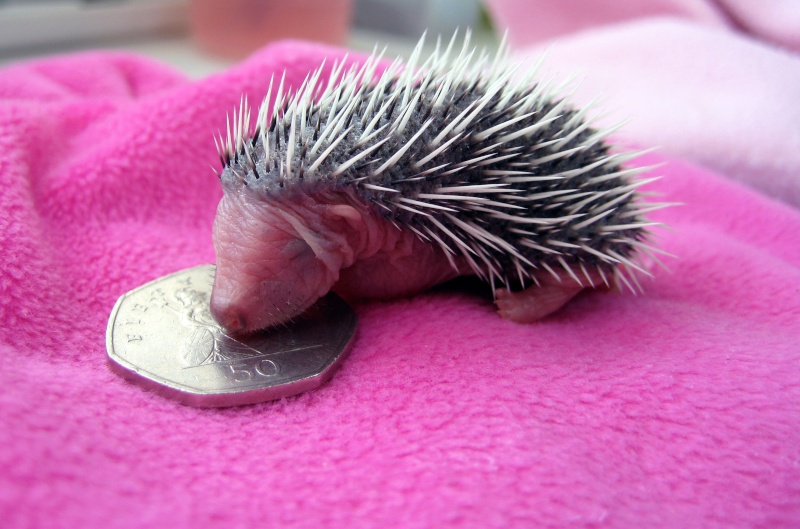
678,408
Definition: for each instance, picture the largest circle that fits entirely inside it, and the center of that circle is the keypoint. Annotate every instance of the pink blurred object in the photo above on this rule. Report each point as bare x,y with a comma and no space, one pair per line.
678,408
692,84
776,21
531,21
236,28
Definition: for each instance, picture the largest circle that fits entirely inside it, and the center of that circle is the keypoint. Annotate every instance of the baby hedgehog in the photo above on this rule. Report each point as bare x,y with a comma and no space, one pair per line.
385,185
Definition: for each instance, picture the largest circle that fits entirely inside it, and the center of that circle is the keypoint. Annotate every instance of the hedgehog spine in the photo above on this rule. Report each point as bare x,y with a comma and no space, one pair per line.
496,172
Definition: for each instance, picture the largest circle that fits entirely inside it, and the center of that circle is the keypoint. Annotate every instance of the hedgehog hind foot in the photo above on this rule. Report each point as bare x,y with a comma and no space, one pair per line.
538,301
533,303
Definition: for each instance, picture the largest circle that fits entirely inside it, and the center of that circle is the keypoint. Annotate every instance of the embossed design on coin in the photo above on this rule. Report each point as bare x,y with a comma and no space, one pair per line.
162,335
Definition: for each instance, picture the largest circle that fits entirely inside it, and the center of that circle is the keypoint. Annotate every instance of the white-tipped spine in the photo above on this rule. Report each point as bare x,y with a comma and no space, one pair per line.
514,170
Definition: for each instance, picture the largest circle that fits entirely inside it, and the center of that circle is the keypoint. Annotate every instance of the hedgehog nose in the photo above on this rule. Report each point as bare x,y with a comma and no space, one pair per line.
228,316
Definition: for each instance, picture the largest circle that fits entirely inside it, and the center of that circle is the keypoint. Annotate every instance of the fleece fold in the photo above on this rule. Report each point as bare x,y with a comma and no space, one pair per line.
676,408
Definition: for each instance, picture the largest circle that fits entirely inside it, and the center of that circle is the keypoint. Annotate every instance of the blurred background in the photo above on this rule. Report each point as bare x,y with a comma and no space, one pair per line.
714,82
201,37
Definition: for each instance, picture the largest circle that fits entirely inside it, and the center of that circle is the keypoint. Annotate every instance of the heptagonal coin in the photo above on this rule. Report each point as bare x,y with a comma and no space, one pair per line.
162,336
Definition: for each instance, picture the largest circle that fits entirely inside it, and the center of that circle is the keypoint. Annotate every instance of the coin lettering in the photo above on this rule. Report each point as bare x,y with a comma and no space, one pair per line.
266,368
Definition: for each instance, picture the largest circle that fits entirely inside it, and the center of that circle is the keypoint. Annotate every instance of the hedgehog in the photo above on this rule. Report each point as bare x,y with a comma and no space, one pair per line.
380,184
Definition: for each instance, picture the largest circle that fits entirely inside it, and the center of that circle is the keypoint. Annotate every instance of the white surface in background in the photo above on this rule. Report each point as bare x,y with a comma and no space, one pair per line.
47,23
158,29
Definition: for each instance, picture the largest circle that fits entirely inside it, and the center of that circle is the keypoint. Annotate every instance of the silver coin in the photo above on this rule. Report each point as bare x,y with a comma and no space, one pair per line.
162,336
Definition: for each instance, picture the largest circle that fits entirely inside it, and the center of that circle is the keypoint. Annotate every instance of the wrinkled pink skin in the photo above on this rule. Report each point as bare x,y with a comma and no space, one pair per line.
274,260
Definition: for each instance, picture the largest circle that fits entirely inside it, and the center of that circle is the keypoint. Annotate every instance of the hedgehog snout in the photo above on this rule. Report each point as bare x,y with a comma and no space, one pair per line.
229,316
243,303
228,304
274,260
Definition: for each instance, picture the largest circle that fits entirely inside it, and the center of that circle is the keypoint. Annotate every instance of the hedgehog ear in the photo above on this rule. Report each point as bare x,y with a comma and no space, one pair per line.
348,213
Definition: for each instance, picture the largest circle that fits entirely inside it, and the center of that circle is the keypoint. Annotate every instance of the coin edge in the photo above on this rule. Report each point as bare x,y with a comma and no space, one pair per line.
223,398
